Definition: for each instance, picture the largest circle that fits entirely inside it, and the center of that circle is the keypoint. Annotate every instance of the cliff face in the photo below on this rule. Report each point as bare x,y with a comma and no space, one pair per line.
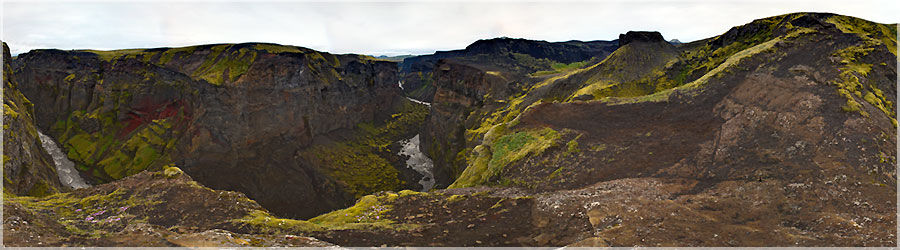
27,168
235,116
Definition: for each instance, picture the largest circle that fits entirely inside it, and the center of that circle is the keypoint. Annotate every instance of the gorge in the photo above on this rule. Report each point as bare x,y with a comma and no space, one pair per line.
778,132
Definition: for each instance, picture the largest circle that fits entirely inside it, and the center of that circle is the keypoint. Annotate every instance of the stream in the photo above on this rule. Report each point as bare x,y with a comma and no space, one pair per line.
65,168
418,162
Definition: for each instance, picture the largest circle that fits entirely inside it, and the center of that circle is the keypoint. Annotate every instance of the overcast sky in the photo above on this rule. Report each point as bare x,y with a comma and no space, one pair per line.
385,28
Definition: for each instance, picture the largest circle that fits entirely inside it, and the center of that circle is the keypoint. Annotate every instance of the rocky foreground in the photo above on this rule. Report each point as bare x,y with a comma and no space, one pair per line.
780,132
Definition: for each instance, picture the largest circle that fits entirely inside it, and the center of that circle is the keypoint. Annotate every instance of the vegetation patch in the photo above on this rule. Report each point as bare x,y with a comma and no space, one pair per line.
561,67
851,87
369,212
491,159
223,59
93,216
875,32
358,163
109,157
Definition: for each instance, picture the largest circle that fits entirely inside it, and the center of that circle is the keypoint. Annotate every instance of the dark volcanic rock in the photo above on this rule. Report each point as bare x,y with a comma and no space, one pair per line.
27,168
640,36
236,117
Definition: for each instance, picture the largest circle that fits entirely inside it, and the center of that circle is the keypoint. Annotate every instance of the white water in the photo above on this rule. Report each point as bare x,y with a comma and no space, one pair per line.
419,102
65,168
418,161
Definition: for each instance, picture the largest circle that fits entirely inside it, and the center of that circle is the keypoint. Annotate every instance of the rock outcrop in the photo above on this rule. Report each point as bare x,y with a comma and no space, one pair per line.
27,168
640,36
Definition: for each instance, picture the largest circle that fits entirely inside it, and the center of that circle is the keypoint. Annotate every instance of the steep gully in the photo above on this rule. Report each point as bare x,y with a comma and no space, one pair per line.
418,161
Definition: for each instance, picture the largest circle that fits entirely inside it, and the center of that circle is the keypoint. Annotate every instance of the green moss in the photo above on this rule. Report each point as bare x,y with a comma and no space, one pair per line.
561,67
368,209
10,112
40,189
170,54
849,83
357,163
572,146
369,212
69,78
115,54
275,49
509,148
114,157
81,147
879,33
223,59
263,221
359,168
406,192
456,197
79,215
172,172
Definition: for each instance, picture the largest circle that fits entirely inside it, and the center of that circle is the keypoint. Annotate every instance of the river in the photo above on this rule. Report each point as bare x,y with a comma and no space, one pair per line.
65,168
418,162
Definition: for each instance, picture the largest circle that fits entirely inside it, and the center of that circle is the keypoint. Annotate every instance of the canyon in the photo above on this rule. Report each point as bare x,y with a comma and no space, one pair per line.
779,132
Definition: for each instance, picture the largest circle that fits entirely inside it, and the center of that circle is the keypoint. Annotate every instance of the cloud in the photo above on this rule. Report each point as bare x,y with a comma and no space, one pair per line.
384,27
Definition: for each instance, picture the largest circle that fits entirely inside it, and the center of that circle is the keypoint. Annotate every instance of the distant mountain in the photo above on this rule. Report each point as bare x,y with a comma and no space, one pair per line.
398,58
512,56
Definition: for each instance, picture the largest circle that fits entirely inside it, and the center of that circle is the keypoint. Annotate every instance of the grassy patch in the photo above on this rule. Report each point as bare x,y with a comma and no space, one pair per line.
491,159
876,32
560,67
851,87
92,216
368,213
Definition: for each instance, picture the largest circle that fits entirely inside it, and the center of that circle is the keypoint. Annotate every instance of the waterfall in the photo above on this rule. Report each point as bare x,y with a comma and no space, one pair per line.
65,168
418,162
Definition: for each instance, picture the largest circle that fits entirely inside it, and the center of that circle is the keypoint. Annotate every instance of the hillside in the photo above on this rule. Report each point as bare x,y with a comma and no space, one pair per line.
779,132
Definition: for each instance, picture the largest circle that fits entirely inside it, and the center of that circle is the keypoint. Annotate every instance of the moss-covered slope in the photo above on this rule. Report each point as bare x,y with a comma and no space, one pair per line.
797,99
27,168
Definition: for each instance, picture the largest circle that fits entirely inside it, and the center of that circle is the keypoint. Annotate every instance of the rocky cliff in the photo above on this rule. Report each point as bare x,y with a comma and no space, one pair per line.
27,168
235,116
